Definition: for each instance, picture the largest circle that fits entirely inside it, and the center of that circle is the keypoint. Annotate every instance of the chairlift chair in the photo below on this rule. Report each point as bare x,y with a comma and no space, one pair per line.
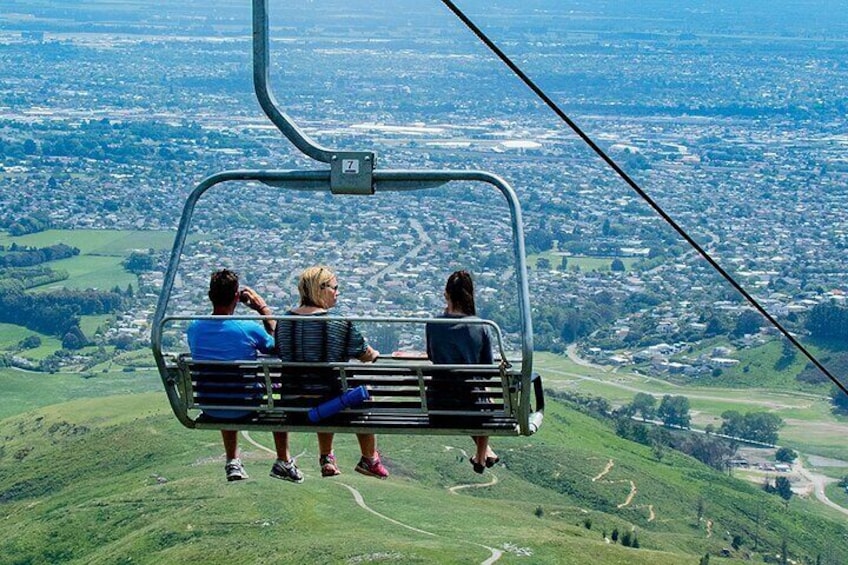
509,394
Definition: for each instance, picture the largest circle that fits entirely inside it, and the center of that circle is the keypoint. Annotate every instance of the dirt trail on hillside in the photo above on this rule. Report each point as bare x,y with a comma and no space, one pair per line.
606,470
454,489
631,495
495,554
491,483
273,452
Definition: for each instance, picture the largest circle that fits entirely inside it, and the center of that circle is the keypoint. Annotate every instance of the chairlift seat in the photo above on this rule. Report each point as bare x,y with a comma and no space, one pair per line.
400,394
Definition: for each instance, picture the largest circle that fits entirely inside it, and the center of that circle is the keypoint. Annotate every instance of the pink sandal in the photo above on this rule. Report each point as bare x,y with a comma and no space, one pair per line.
328,466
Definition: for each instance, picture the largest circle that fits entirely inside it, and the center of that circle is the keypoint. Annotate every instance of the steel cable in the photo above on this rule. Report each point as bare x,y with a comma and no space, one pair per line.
644,195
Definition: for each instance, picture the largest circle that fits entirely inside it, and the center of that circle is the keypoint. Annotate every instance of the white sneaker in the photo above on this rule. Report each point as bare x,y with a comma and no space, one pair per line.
235,470
287,471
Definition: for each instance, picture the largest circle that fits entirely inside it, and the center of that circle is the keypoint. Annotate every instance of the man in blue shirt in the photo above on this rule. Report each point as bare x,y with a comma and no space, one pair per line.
230,340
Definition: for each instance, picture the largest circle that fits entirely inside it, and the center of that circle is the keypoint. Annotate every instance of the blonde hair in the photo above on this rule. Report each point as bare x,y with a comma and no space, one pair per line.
312,281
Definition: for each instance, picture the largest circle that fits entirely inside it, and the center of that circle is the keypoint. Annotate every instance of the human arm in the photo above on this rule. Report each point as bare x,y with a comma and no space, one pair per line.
428,341
370,355
486,356
357,347
255,302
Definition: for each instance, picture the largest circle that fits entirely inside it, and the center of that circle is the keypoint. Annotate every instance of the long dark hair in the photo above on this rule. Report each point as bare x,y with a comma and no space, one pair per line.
460,291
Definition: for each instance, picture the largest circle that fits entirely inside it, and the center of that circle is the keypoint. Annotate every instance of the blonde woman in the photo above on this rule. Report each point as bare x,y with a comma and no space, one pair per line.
325,342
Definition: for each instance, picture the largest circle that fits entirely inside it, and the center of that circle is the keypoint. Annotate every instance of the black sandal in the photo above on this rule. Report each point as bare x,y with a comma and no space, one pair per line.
478,467
492,461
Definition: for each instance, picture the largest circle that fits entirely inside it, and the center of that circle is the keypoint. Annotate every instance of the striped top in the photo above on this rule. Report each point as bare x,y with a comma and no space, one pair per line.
314,340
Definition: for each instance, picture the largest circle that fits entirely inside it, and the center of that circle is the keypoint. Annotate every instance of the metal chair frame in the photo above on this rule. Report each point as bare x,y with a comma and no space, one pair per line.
350,172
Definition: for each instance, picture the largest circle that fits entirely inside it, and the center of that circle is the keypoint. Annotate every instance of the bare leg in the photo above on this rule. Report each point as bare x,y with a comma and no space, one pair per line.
230,438
281,443
325,443
327,460
482,443
367,445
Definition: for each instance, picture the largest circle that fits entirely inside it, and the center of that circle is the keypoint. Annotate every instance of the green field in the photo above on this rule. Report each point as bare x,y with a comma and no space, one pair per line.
118,243
99,264
91,271
136,486
810,427
90,324
24,390
11,335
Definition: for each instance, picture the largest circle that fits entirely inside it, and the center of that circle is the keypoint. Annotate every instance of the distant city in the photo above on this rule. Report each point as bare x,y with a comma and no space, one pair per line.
739,134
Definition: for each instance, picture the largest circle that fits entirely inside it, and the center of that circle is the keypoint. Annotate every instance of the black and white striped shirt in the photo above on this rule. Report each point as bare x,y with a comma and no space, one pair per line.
313,340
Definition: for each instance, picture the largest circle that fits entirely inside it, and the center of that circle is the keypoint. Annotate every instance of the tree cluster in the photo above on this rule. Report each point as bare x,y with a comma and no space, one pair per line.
21,278
781,487
754,426
139,262
828,322
23,226
56,313
23,256
839,399
674,411
708,449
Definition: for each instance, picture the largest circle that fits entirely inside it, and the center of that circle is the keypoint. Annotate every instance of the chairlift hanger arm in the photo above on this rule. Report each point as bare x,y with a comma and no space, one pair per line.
350,171
261,84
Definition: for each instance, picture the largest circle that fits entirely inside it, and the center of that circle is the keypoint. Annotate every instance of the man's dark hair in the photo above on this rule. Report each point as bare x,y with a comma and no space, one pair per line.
223,287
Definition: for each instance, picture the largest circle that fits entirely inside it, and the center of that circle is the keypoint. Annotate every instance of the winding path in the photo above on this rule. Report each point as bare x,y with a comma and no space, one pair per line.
817,480
496,554
818,483
630,496
633,491
606,470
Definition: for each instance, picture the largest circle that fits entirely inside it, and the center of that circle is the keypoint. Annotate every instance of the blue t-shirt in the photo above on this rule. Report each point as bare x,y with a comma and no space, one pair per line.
228,340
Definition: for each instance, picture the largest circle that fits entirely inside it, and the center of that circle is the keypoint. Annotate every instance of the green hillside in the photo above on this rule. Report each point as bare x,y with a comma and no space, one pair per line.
116,479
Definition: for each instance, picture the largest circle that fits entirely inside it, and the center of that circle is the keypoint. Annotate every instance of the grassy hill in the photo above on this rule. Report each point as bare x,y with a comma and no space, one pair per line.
116,479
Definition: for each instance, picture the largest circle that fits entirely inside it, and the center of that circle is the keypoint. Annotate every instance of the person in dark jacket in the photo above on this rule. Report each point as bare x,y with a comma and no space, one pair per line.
463,344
